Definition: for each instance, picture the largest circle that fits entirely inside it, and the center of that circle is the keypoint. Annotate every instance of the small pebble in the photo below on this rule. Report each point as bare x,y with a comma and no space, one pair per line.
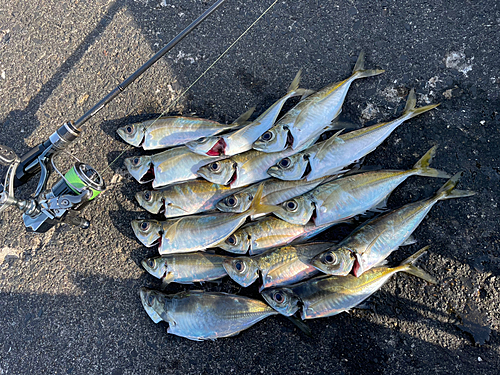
479,359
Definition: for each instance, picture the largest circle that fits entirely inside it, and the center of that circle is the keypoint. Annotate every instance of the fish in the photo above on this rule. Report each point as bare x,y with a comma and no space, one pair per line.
192,233
352,195
186,268
172,131
330,295
243,169
275,192
241,140
281,266
185,198
204,315
147,231
172,166
313,116
339,151
371,243
266,233
140,168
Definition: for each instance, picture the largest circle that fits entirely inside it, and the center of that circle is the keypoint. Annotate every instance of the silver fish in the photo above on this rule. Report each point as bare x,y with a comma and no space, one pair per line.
203,315
242,139
243,169
315,116
375,240
168,167
147,231
352,195
269,232
331,156
187,198
275,192
186,268
327,296
282,266
140,167
174,130
191,233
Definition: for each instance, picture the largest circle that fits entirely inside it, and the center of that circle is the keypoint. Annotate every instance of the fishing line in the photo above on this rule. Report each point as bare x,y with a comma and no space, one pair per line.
129,147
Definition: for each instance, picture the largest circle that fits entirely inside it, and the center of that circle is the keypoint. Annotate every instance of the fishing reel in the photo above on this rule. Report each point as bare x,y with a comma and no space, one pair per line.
72,192
81,184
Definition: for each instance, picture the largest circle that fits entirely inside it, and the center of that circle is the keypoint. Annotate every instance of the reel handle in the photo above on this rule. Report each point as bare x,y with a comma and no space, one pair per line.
7,155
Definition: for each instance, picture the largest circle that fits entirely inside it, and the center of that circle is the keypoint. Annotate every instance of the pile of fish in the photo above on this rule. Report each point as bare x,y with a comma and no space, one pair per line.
262,189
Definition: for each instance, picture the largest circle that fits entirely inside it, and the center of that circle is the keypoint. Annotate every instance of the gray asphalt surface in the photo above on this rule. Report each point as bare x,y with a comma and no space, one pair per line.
69,299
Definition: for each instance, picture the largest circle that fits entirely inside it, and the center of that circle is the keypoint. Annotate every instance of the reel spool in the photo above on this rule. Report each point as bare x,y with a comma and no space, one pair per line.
71,193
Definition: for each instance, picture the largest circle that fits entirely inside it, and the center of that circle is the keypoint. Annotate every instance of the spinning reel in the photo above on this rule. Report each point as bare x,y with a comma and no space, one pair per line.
81,184
69,195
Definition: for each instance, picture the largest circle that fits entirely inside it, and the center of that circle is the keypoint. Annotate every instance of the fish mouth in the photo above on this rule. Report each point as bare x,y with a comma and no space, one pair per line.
218,149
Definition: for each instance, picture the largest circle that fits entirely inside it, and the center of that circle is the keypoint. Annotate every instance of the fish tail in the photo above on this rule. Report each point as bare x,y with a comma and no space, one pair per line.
410,111
259,208
360,71
408,267
244,117
448,190
422,166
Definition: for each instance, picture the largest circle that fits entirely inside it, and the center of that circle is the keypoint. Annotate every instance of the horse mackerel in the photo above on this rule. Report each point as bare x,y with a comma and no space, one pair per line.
326,296
376,239
352,195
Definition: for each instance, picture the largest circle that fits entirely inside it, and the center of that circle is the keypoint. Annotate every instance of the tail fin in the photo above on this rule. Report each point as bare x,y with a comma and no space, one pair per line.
423,169
447,190
359,68
257,207
408,267
410,111
244,117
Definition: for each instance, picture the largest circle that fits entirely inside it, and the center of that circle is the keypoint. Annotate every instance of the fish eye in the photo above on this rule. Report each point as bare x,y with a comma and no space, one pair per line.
291,206
285,163
267,136
214,166
150,300
330,258
239,265
279,297
231,201
129,129
150,263
136,160
148,195
145,226
232,240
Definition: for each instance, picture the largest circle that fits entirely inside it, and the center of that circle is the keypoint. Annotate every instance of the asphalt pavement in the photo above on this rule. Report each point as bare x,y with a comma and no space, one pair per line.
69,300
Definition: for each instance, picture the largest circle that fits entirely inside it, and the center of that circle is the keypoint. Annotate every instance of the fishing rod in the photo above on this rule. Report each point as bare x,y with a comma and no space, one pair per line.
82,183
